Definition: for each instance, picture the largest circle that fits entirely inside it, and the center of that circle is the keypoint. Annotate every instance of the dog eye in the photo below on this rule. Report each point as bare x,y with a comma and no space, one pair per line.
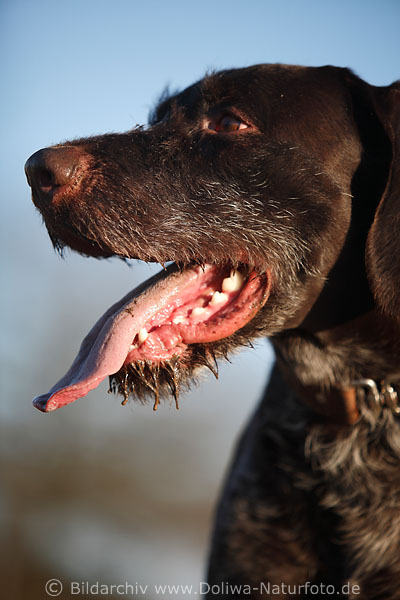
227,124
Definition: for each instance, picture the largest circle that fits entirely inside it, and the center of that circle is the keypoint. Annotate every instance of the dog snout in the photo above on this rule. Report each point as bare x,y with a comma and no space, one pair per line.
50,169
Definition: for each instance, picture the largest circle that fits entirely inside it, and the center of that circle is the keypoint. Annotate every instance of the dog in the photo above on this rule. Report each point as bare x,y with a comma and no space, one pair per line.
270,196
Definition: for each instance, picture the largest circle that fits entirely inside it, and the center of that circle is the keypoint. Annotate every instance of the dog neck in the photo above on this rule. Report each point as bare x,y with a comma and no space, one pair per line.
339,371
343,405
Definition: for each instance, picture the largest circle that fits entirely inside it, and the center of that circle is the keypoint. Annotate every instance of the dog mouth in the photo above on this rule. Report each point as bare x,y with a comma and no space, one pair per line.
160,332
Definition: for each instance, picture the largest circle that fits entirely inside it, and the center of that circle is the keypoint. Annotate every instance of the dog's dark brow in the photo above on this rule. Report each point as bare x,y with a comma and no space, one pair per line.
161,106
202,94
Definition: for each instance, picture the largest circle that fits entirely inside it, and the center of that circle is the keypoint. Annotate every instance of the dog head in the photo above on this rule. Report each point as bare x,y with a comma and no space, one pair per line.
260,185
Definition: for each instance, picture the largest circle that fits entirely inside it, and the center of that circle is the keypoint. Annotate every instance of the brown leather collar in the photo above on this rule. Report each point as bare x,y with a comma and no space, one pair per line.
336,404
341,404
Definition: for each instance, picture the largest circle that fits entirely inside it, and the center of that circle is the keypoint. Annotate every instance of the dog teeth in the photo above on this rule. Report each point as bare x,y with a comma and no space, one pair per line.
199,310
133,347
218,298
178,319
143,335
233,283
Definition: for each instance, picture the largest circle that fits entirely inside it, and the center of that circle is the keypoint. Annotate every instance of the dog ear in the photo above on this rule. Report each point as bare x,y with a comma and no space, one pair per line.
383,242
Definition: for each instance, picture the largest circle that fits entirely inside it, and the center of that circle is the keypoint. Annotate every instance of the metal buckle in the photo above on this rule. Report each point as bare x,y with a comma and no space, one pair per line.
386,395
390,397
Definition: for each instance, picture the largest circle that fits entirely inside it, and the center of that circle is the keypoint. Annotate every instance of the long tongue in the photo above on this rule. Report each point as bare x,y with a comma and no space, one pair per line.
106,347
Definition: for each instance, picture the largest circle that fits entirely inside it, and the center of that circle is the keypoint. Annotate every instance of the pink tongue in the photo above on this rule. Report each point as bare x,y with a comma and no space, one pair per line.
108,344
104,349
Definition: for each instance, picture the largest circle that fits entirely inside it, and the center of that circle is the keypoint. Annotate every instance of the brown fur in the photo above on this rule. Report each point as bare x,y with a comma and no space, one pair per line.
310,191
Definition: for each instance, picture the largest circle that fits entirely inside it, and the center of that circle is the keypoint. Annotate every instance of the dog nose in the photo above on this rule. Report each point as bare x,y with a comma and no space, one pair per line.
50,169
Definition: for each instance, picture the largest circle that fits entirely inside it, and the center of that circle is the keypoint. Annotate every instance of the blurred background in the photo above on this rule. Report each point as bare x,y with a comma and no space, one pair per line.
98,491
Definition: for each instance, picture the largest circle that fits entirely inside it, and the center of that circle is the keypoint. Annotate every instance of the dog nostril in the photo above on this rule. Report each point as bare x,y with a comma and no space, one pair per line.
51,168
45,180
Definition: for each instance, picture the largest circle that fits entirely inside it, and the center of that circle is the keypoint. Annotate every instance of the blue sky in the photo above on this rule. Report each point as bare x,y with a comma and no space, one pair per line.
79,67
